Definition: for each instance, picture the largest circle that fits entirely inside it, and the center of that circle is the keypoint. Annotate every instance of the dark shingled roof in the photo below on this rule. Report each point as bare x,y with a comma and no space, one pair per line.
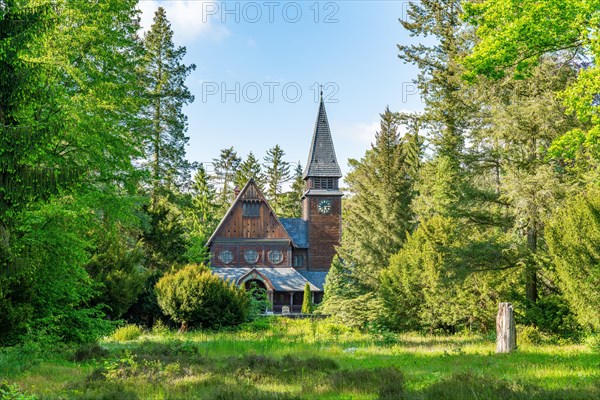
282,279
297,228
321,157
317,278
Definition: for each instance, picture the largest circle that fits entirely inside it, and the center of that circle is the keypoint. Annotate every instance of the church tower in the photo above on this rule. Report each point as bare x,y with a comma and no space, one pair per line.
322,200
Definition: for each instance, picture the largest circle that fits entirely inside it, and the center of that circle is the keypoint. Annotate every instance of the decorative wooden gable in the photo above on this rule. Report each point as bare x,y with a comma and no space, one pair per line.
250,217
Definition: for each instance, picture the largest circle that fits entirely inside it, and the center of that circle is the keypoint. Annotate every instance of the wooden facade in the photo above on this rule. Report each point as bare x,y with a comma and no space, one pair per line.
252,246
251,233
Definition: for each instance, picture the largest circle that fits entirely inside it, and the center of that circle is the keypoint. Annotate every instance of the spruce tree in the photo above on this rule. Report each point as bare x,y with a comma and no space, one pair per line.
249,168
377,214
277,173
202,216
225,169
164,74
291,201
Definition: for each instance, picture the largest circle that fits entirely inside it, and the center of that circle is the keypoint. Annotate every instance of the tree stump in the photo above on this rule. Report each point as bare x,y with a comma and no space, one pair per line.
506,330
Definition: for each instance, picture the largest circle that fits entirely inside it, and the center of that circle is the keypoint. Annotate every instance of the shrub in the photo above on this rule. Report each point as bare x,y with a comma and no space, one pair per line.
193,295
307,300
127,332
89,351
552,315
13,392
593,342
159,328
529,334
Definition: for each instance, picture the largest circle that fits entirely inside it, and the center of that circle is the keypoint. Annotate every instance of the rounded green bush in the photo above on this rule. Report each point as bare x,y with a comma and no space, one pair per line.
193,295
127,332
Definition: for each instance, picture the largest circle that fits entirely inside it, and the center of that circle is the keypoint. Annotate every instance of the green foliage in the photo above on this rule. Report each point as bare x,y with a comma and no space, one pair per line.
291,202
428,286
259,302
362,312
163,75
225,169
194,295
339,282
377,214
307,300
13,392
573,234
165,237
16,310
127,332
201,217
529,334
551,314
277,173
65,68
512,39
117,264
250,168
89,351
52,239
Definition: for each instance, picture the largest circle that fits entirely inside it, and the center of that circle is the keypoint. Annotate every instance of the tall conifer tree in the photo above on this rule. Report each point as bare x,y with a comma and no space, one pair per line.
277,172
249,168
164,74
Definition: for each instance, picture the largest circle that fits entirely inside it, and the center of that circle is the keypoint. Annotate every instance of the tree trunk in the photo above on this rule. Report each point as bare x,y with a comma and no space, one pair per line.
183,328
531,291
506,330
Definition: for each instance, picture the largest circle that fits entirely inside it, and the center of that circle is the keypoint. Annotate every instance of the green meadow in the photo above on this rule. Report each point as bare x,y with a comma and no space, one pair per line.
299,359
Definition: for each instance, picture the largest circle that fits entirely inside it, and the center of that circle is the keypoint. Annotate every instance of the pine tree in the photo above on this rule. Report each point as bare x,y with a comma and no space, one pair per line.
164,75
277,173
249,168
226,167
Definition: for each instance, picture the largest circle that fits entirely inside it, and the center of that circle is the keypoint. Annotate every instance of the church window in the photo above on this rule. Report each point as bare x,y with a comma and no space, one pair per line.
251,209
226,256
251,256
325,183
276,256
298,261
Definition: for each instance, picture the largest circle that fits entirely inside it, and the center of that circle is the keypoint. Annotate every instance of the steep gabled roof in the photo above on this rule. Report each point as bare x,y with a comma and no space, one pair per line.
252,192
322,161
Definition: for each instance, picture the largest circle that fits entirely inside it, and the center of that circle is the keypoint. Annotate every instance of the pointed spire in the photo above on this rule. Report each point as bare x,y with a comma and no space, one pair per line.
321,157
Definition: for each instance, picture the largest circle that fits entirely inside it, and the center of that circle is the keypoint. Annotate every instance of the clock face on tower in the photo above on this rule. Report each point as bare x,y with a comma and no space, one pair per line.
324,206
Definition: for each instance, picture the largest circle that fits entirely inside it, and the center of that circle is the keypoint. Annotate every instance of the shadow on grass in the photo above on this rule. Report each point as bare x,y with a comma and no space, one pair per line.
467,386
433,341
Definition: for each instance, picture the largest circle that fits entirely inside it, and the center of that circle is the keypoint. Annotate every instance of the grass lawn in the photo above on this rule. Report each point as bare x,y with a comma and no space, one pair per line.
303,359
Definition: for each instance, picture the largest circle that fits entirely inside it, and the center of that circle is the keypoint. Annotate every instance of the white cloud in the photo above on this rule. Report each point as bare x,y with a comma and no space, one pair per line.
188,20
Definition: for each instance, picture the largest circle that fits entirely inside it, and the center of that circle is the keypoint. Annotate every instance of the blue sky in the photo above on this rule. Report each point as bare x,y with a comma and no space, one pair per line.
259,66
